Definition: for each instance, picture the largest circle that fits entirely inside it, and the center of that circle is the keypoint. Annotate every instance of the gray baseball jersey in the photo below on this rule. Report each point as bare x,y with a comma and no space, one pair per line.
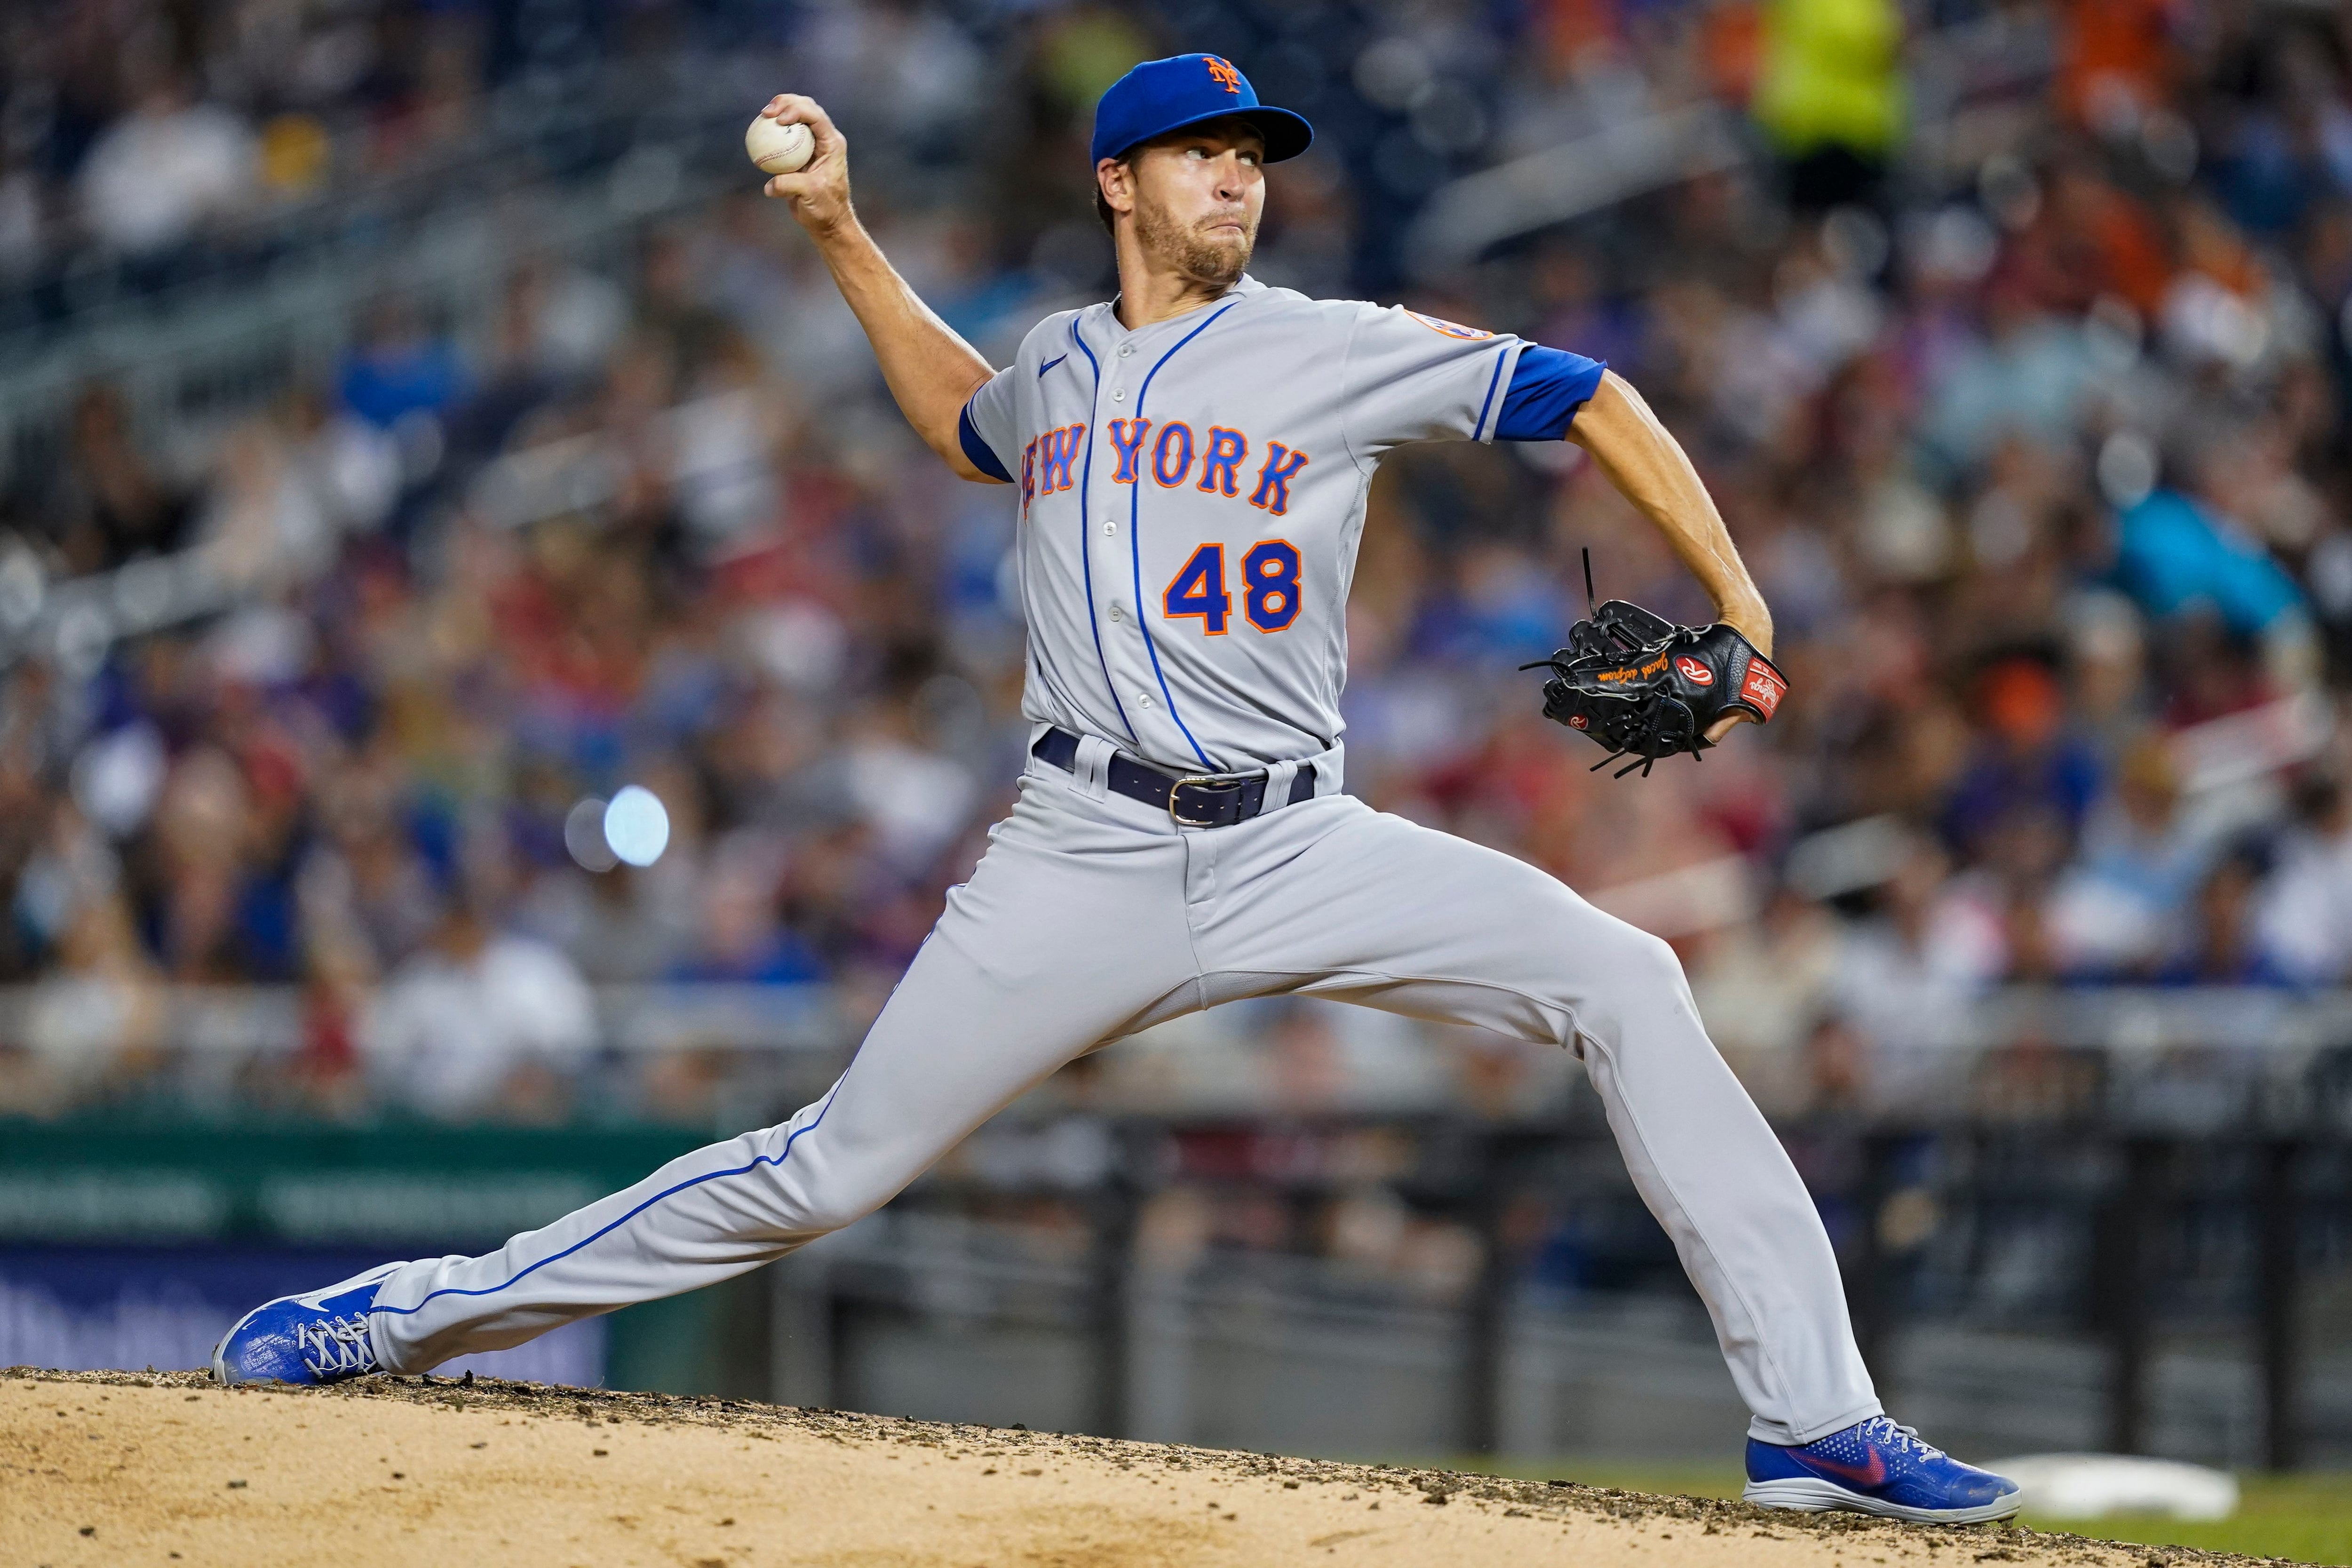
1192,495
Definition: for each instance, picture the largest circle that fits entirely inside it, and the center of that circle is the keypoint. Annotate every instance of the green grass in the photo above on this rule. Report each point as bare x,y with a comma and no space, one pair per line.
2307,1517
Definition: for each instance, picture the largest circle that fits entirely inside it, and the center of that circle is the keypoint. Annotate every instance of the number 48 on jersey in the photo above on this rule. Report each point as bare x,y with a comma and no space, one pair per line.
1269,588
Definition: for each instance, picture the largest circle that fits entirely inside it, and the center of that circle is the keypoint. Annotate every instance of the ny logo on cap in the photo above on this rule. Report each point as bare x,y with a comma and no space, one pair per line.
1226,75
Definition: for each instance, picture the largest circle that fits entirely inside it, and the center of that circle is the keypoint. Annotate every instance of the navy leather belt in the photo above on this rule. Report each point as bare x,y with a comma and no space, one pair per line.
1196,800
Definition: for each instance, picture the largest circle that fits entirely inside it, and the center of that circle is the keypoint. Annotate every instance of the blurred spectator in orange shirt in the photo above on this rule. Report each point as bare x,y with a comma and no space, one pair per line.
2116,61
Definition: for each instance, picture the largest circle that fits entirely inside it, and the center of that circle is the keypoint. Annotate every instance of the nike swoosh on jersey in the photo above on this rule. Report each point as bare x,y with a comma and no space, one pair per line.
1050,364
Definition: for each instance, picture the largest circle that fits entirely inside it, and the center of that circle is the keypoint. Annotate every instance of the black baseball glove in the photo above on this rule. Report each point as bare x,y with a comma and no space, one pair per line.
1647,688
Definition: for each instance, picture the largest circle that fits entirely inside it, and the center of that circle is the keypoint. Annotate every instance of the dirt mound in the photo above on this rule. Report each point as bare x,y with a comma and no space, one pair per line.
112,1468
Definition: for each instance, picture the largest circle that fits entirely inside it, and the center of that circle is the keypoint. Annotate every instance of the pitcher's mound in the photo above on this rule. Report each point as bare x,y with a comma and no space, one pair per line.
114,1468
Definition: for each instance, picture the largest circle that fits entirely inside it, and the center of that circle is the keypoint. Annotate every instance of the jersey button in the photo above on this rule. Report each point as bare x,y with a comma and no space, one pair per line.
1127,351
1143,700
1119,394
1110,529
1115,613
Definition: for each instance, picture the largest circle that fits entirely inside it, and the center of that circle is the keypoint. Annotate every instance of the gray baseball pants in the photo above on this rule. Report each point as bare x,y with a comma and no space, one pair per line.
1092,916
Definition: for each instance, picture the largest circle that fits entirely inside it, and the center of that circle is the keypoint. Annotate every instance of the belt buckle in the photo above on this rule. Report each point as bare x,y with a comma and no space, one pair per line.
1206,780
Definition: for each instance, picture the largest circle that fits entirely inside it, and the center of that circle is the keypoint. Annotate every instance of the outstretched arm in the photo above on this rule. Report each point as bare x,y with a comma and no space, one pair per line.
931,371
1649,467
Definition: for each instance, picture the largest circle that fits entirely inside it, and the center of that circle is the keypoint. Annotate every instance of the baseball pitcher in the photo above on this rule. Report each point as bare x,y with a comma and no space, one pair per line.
1190,462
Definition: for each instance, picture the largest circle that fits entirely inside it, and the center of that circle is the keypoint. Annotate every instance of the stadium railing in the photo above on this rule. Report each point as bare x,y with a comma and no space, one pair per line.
2246,1056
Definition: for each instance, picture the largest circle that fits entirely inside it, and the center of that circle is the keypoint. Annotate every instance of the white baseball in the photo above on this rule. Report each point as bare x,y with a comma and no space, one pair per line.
779,147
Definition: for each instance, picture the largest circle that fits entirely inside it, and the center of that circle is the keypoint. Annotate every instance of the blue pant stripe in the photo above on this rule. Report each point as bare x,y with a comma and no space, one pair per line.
783,1155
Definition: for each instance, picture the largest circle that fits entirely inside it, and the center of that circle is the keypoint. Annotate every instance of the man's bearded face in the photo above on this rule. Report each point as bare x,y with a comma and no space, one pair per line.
1199,195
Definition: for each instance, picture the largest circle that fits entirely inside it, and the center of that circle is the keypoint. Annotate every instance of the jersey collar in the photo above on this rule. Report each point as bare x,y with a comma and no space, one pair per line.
1107,311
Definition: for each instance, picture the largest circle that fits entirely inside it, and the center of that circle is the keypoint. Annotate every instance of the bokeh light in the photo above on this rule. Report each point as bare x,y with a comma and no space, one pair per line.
637,825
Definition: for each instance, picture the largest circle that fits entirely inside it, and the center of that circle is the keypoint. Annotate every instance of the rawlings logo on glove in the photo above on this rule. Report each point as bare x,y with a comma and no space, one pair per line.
1645,688
1763,686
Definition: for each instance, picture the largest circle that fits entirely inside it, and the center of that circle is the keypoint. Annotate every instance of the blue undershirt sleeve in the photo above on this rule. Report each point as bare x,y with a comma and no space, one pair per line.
1548,386
983,456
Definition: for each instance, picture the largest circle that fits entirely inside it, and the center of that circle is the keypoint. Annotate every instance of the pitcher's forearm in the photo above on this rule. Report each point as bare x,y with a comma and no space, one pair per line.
1649,467
929,370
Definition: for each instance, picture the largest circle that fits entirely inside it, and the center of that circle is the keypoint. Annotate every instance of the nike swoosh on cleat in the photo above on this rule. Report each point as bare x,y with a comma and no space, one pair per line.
1050,364
1870,1475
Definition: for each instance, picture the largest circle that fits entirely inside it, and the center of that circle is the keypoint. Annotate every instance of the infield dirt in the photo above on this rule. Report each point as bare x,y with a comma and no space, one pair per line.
121,1469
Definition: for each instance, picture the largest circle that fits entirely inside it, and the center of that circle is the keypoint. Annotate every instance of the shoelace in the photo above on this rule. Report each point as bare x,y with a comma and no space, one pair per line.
1885,1429
335,1346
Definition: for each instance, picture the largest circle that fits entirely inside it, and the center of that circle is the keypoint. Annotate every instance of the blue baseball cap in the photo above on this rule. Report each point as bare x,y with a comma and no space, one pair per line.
1160,96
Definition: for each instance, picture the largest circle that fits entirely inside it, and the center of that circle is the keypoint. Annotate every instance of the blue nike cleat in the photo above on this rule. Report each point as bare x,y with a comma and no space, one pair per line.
321,1337
1877,1467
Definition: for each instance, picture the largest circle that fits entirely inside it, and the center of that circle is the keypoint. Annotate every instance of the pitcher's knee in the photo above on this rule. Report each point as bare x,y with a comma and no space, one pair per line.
768,1185
1646,969
1599,946
1652,959
823,1212
816,1200
1617,978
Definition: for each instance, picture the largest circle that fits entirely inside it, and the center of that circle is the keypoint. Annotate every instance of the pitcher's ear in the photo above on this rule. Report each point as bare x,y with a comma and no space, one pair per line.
1113,173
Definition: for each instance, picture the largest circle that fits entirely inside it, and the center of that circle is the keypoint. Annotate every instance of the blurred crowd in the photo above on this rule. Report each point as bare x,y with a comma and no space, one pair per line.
2016,356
